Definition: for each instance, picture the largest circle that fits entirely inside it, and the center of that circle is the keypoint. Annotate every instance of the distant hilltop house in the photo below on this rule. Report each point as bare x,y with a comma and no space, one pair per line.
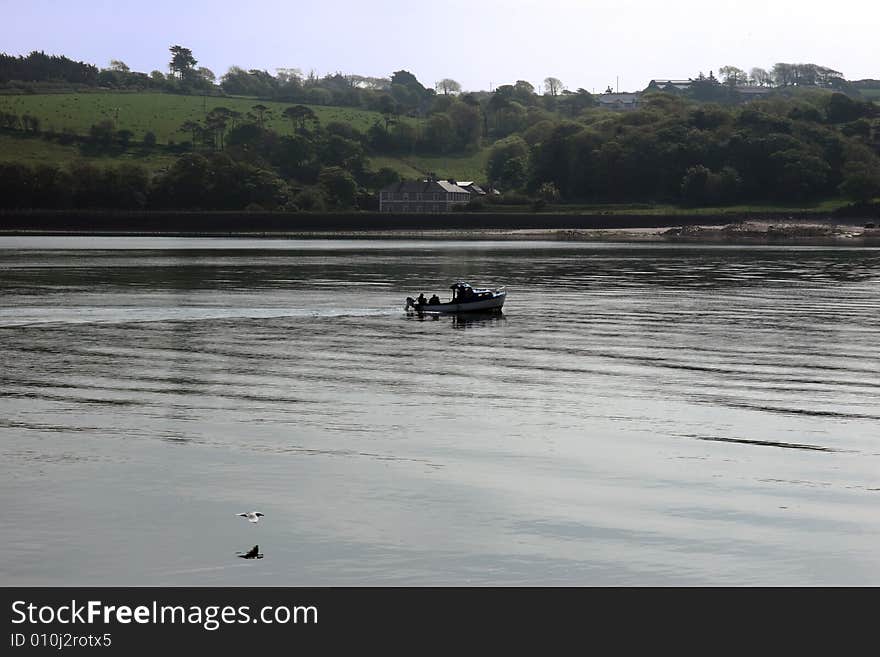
428,195
669,85
620,102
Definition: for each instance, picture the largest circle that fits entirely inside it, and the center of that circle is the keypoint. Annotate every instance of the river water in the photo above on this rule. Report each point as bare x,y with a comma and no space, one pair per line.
639,415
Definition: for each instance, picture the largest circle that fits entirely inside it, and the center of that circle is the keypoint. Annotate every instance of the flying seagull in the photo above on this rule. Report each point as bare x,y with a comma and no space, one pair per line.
252,516
253,553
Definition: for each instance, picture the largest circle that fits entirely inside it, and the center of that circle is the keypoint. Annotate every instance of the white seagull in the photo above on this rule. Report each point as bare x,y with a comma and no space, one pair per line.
252,516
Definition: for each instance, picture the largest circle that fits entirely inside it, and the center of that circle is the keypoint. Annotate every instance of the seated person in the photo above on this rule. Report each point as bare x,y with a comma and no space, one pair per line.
421,300
434,300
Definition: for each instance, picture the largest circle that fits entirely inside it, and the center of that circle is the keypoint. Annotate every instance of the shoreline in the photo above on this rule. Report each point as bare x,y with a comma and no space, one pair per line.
857,227
805,233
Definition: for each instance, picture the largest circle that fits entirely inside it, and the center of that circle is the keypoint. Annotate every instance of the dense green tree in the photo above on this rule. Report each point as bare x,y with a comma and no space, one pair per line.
861,182
439,134
800,175
299,116
338,186
341,152
467,125
379,139
405,136
508,120
502,174
310,200
206,74
843,109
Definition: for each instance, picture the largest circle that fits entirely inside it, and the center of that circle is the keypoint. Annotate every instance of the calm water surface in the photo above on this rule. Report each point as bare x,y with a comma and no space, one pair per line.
638,415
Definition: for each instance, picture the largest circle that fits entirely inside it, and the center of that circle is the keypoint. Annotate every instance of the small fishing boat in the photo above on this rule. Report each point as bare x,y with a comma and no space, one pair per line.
464,299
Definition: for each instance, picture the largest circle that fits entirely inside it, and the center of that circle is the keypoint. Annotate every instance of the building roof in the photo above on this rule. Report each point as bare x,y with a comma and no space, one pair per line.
470,186
424,186
617,97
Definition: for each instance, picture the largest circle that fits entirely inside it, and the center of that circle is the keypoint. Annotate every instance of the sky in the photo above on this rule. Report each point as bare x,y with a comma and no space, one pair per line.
481,44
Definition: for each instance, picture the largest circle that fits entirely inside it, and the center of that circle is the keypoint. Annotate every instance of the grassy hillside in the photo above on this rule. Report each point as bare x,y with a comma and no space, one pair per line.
163,114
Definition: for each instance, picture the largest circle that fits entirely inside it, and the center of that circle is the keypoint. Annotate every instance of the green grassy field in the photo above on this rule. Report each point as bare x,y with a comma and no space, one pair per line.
162,114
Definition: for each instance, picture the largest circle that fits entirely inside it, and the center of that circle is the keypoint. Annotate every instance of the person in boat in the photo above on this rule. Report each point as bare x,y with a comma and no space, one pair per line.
434,300
421,300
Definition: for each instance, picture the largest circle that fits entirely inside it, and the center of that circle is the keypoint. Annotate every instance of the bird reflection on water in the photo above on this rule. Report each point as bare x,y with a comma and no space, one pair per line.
253,553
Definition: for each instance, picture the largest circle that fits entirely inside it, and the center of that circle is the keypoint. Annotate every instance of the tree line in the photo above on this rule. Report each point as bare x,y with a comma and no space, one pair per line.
784,74
670,150
40,67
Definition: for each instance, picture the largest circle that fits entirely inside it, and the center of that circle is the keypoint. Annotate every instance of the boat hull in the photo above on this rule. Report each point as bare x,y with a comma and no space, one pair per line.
494,303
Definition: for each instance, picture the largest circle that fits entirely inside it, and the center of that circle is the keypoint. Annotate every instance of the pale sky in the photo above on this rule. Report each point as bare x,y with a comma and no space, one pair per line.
585,43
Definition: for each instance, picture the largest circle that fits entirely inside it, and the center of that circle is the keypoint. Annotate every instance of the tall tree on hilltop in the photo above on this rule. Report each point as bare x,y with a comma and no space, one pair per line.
732,75
182,61
761,77
448,86
553,86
